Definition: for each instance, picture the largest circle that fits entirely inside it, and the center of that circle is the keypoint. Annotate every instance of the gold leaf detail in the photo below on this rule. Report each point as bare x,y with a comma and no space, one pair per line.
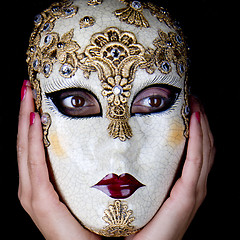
119,220
86,22
132,14
171,48
94,2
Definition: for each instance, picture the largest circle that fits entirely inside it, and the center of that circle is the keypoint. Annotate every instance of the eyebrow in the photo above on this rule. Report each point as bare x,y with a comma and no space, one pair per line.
57,83
166,79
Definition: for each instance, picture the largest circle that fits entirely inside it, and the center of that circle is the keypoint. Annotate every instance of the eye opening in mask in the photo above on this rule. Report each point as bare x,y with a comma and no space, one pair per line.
154,99
76,103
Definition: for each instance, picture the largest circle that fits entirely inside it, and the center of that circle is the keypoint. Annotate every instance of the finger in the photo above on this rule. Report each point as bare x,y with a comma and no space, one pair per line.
208,156
211,143
194,160
37,165
26,107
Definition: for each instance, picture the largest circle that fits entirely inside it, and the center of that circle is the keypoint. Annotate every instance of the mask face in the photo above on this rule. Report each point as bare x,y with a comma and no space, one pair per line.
109,81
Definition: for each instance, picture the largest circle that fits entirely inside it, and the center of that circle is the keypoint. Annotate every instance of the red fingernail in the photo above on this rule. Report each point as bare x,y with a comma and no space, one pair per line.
24,89
32,118
198,116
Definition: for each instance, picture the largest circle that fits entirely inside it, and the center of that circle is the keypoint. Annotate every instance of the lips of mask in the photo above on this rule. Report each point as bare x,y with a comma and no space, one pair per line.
113,185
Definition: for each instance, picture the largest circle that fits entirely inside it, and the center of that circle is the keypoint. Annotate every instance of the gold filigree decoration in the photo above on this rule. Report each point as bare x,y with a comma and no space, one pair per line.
44,24
170,48
160,13
46,123
86,22
116,56
45,21
94,2
119,220
186,109
62,50
133,14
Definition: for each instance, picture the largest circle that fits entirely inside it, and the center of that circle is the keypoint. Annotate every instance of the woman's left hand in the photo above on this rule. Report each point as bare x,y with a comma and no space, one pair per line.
174,217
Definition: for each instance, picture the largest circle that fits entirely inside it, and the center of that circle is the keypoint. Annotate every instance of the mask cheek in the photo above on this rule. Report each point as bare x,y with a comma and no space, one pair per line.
175,135
57,145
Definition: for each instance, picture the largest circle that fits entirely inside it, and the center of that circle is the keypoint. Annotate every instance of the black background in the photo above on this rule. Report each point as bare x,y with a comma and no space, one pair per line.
212,35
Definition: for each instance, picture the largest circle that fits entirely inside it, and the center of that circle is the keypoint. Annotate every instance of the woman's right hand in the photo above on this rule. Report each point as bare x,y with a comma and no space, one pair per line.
36,192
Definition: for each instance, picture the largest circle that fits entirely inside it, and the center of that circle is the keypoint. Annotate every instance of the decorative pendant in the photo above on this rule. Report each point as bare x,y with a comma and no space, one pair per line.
116,55
46,122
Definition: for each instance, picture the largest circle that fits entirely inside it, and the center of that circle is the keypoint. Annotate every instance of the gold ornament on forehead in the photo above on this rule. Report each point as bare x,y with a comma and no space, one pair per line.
116,55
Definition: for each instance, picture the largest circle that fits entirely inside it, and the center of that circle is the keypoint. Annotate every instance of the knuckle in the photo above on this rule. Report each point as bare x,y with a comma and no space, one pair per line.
39,208
24,201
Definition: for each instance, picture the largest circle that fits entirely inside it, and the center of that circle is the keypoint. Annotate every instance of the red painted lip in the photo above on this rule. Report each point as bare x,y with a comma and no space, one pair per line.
118,187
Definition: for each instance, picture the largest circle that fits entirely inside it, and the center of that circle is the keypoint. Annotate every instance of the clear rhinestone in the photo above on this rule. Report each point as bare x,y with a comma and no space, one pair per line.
86,19
187,110
117,90
61,45
44,119
181,68
69,11
47,69
179,39
66,70
115,52
166,67
34,93
33,49
136,5
48,39
38,19
46,27
35,64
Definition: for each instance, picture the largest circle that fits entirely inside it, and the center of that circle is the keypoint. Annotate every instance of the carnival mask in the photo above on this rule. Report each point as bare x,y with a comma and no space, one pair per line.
109,81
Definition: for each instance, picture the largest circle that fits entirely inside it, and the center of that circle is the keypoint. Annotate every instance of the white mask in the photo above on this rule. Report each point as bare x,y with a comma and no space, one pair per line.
110,84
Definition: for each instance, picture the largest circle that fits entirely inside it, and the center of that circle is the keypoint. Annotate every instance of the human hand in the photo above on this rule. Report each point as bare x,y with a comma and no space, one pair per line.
188,193
36,193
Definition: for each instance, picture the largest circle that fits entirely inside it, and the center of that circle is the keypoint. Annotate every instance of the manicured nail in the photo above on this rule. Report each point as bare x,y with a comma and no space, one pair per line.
32,118
198,116
26,83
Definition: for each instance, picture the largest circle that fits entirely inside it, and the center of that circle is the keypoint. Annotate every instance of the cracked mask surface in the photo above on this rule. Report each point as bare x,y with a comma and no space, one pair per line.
113,167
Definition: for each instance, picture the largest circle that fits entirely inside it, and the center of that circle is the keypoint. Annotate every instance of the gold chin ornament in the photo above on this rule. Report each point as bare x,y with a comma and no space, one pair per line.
110,83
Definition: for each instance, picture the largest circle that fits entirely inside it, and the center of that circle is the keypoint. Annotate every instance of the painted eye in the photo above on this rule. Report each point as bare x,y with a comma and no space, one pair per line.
154,99
76,103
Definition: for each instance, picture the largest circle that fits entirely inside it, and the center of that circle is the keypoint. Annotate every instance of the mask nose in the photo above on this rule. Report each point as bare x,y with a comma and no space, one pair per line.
118,156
